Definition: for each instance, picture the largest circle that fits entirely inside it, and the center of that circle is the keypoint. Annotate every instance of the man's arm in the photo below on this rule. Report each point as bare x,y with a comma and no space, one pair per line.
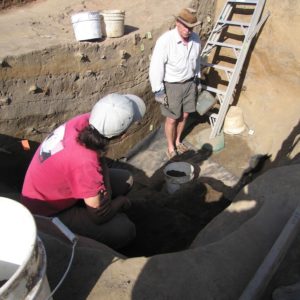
157,66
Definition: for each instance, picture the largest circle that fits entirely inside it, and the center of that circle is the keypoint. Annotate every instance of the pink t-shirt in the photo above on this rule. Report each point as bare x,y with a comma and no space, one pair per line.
62,171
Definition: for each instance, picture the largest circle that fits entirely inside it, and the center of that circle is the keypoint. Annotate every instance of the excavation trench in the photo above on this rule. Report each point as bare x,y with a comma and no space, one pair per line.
164,222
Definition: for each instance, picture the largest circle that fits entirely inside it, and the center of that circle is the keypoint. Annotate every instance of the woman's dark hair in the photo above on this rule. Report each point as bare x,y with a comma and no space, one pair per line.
92,139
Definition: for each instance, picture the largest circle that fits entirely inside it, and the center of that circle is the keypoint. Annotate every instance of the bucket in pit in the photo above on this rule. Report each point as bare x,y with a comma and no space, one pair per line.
22,254
177,174
113,23
87,25
234,121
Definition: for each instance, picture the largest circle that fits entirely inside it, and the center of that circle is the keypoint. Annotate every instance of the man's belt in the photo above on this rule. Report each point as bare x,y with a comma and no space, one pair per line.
183,81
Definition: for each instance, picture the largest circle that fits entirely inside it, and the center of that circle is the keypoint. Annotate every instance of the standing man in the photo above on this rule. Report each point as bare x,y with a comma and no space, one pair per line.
69,179
174,66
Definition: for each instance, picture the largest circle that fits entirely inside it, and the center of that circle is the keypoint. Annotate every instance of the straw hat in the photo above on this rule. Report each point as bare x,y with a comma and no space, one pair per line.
187,16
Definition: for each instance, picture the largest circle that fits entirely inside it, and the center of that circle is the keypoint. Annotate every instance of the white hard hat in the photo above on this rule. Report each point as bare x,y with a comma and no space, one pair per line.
114,113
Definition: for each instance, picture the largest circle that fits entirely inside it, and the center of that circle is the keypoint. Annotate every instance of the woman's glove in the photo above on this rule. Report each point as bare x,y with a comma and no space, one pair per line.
161,97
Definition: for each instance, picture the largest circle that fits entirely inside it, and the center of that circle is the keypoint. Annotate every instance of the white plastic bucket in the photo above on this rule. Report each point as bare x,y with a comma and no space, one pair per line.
177,174
22,254
234,121
113,21
87,26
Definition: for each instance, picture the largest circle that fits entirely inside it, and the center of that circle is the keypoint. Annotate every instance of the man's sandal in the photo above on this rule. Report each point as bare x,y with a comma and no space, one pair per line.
172,154
181,148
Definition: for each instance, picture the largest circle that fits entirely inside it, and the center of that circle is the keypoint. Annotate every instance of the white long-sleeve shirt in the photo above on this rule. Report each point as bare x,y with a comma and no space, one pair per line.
172,61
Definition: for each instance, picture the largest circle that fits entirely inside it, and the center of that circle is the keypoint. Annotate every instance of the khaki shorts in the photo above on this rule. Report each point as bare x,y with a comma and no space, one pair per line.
181,98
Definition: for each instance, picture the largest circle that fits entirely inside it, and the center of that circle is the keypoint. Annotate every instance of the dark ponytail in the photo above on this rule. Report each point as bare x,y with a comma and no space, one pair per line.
92,139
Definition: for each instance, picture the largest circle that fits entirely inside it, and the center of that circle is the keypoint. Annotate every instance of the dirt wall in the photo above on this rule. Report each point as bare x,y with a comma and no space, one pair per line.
42,88
4,4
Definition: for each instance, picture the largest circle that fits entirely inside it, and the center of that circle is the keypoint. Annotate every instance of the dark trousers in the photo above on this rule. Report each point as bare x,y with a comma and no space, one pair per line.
118,231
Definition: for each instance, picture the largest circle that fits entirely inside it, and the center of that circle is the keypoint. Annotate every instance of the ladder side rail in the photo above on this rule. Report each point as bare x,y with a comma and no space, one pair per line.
216,34
235,76
230,89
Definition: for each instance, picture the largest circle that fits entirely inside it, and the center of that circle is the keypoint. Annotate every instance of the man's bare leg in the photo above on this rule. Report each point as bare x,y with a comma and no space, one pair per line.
170,131
180,127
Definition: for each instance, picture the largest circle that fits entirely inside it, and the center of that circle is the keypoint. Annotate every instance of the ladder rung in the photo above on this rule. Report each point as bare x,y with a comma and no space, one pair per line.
217,67
230,17
213,90
243,1
225,45
234,23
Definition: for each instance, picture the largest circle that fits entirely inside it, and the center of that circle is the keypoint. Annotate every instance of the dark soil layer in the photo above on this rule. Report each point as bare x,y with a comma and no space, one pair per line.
170,222
4,4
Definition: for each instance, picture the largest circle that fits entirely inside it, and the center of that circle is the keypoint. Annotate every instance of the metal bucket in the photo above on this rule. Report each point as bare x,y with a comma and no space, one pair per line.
177,174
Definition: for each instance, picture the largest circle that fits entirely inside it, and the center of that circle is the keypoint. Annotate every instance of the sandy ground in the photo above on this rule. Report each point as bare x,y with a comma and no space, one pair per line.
29,25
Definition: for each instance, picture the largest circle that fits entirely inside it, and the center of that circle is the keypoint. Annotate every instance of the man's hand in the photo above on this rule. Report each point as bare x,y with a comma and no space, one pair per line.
198,83
161,97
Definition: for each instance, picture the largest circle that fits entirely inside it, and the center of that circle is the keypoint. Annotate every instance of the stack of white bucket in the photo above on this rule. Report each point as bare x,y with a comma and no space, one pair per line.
22,255
92,25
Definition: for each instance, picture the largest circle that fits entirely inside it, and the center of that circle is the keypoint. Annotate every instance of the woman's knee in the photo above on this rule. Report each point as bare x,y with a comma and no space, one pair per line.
122,232
121,181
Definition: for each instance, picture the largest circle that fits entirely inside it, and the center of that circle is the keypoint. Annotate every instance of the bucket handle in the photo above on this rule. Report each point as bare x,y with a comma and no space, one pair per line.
72,238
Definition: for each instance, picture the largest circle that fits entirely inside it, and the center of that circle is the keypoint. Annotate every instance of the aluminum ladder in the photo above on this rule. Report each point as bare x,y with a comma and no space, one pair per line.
228,18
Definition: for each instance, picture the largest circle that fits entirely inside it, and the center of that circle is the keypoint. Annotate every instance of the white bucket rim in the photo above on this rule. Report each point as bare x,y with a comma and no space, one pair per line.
27,257
85,16
236,130
112,11
180,166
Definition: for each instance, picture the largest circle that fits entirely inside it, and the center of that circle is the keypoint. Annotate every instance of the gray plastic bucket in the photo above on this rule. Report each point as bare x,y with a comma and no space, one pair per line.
173,183
205,102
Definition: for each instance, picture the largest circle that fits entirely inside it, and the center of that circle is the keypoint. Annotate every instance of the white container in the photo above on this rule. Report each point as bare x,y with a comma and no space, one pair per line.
173,183
87,26
22,254
234,121
113,23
